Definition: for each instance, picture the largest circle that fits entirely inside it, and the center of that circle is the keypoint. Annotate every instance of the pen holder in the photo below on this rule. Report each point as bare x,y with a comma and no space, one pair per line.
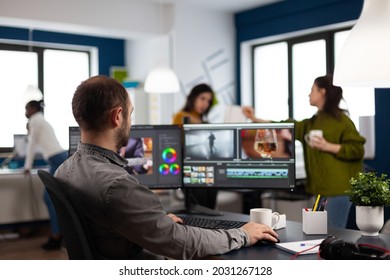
314,222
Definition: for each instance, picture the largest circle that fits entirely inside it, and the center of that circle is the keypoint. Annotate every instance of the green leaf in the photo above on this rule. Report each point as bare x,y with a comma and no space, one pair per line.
368,189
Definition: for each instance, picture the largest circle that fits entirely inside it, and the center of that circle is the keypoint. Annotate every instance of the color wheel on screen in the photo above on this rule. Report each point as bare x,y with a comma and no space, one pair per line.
169,155
164,169
174,169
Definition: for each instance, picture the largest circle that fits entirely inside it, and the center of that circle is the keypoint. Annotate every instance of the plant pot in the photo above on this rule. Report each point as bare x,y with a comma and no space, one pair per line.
369,219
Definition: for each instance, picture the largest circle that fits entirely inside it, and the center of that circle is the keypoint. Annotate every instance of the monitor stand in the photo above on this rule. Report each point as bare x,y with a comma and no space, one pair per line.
196,209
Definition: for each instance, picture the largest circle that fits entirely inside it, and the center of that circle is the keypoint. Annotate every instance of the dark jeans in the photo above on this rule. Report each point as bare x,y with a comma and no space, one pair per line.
54,162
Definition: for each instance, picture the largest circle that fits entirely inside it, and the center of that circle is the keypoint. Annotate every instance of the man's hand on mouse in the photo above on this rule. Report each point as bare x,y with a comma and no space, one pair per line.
258,232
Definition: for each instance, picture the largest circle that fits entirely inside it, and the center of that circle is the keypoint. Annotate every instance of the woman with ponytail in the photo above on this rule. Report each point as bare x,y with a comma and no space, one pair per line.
333,153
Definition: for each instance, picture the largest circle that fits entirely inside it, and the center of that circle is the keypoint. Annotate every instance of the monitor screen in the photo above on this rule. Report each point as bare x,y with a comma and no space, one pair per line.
20,147
154,154
18,156
247,156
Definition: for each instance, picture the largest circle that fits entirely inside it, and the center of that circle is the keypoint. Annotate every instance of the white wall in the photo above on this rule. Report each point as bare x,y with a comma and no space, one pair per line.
204,40
141,57
197,43
199,40
114,18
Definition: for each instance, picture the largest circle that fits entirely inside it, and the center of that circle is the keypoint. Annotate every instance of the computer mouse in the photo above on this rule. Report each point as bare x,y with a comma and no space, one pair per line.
266,242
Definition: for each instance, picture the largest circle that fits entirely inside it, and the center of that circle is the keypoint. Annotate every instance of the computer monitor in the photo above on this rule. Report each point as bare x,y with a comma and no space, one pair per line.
154,154
20,147
17,158
257,156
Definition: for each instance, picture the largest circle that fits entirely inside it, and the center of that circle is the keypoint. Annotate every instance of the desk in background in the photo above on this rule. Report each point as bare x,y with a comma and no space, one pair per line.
21,197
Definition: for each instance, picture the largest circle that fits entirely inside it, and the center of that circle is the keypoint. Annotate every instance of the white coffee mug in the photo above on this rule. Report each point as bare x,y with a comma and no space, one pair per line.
312,133
264,216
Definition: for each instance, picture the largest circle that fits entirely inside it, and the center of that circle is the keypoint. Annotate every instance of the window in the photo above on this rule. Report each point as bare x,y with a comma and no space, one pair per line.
64,70
17,70
284,71
271,76
307,64
57,72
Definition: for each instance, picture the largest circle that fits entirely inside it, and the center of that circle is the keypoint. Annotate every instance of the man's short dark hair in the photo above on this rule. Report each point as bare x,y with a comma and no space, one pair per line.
93,100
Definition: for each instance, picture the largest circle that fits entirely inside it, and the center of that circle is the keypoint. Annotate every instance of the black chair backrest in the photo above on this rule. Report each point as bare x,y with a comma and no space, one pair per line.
77,238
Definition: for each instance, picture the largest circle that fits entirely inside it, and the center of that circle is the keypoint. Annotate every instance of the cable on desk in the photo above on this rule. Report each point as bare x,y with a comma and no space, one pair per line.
8,159
308,249
385,251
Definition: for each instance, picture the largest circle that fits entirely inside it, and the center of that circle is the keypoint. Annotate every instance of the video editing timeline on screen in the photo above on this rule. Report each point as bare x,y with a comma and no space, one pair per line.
153,153
260,155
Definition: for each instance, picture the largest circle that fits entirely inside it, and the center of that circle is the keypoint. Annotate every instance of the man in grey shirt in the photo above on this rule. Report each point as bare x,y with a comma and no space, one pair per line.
127,219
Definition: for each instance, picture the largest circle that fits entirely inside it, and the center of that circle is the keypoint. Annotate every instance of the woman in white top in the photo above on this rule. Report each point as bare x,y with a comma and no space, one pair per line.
41,134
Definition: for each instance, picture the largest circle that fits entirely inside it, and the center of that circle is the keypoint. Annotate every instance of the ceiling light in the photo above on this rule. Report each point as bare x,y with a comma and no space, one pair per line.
32,92
161,80
365,57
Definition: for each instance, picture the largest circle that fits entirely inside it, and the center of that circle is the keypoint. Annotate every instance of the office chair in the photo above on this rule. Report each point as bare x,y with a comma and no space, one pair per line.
76,234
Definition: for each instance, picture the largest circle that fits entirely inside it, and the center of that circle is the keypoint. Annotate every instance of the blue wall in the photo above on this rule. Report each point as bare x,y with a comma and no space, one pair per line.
294,15
111,51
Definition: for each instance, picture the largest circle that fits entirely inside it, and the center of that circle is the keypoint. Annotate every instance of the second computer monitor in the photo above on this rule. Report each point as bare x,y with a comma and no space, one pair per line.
239,156
153,153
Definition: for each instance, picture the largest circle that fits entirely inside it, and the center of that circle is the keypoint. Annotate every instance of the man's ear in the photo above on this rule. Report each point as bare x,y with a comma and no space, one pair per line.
116,116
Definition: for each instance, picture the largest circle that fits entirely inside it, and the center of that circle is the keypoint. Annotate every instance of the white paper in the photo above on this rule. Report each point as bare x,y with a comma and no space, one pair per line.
300,246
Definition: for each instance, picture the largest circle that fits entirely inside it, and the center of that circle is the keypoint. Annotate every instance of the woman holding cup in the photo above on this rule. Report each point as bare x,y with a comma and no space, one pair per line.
333,148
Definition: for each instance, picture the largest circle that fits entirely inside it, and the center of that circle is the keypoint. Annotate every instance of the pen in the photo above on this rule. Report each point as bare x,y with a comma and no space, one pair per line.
316,203
323,203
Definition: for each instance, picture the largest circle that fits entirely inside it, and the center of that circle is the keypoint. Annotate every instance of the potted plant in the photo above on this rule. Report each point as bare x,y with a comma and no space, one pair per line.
370,193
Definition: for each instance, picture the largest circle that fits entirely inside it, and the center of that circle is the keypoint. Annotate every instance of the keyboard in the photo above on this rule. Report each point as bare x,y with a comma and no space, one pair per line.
211,223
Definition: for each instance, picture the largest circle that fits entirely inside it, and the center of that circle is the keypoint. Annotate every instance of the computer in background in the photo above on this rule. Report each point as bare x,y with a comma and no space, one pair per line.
234,114
17,158
153,152
20,147
256,156
227,113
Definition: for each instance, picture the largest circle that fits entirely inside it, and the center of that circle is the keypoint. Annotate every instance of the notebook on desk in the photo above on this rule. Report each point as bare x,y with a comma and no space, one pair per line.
300,246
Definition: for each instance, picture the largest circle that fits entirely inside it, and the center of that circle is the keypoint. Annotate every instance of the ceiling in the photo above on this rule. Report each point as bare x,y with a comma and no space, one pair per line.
232,6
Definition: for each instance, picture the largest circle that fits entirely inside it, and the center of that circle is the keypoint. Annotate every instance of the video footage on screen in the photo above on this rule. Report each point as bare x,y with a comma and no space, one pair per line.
139,154
267,144
209,144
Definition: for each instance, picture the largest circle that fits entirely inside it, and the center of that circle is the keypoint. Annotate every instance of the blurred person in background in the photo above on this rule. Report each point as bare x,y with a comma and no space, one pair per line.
333,158
195,111
41,133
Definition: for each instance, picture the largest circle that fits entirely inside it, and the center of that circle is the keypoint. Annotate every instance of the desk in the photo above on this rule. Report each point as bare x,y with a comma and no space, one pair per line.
293,232
21,197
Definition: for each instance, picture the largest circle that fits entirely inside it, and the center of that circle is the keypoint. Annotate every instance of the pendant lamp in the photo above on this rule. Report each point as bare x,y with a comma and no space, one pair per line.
161,79
365,57
32,92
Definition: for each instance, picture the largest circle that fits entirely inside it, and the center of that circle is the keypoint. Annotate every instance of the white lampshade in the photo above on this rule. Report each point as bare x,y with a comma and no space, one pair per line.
365,57
32,92
161,80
